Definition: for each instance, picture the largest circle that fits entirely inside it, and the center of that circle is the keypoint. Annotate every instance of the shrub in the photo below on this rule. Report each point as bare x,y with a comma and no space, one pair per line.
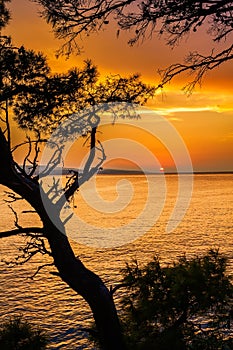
184,306
17,334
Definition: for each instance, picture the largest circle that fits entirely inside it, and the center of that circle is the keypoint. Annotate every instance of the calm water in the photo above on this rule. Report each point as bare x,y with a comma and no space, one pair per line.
50,303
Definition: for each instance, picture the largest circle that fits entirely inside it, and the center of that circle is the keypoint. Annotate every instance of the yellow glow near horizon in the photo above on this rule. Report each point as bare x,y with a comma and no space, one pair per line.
204,119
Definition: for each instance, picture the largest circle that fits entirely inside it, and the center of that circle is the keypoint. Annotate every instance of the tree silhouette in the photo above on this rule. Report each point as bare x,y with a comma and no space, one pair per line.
186,305
16,333
173,20
4,13
40,101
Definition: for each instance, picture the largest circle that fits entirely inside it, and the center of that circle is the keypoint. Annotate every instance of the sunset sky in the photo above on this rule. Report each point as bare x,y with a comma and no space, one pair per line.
204,119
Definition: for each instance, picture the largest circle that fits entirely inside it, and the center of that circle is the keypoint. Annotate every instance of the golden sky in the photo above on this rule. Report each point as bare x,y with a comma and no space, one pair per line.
204,119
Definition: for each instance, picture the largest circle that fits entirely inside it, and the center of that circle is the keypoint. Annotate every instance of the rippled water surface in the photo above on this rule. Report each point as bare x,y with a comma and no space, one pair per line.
47,301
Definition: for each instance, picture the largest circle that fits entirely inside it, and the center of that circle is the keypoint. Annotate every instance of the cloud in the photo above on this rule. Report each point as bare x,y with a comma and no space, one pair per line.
168,111
172,102
175,119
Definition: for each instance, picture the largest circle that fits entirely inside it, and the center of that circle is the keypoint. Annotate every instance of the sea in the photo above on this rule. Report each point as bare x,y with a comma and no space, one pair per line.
106,235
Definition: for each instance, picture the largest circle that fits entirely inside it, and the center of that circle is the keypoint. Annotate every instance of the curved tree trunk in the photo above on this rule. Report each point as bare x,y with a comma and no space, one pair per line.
71,269
88,285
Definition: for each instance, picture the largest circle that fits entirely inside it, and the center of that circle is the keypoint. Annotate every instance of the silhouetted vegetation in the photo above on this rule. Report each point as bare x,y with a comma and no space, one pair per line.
170,19
187,305
39,102
18,334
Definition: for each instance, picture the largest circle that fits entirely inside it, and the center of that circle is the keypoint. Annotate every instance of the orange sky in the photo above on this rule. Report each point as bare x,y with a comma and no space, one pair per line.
204,120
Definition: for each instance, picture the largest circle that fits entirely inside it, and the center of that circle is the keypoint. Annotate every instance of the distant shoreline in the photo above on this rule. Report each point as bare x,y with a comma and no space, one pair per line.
123,172
68,171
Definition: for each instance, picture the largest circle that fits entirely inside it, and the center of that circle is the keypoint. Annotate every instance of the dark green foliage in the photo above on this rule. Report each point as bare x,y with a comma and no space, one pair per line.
183,306
17,334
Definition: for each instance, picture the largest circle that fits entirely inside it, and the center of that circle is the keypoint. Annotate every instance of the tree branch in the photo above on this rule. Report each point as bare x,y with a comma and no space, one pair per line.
118,286
70,19
171,19
13,197
39,268
20,230
197,65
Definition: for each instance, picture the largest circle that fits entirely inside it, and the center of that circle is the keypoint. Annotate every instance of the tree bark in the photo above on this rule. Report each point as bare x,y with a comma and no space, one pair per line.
71,269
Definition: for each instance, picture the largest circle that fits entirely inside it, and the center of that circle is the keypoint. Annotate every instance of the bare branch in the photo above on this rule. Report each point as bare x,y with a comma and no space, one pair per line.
22,230
118,286
55,190
16,221
72,185
28,163
196,65
77,179
26,158
68,218
86,176
173,20
35,159
39,268
13,197
35,245
53,162
32,231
